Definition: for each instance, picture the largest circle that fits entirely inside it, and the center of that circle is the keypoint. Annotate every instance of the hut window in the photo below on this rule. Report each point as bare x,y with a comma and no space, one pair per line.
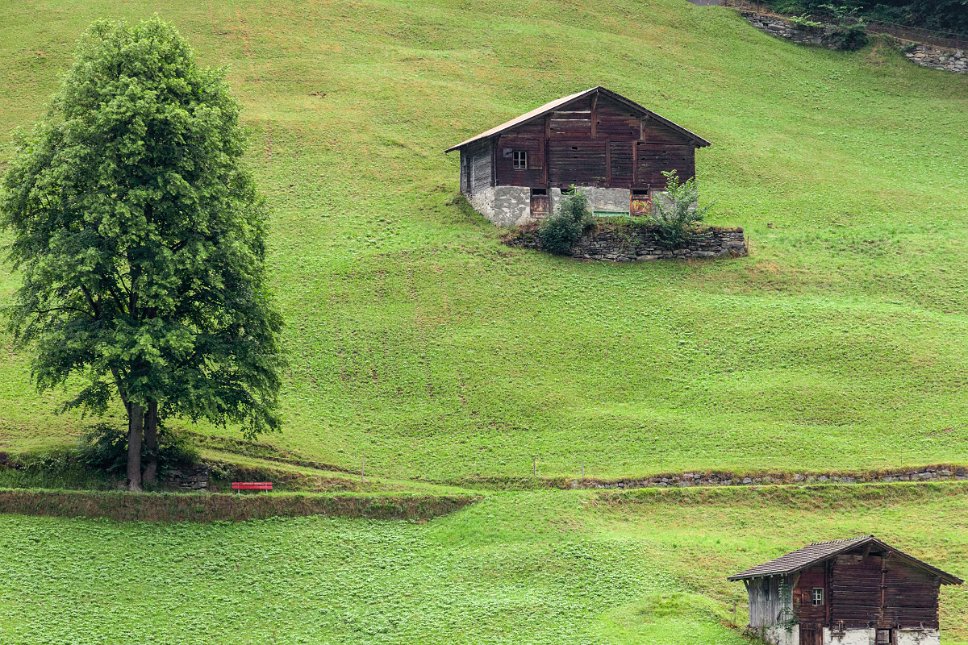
520,159
817,596
883,637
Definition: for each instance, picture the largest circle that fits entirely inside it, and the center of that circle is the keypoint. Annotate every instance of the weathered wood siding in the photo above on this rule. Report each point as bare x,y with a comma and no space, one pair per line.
594,141
803,607
768,605
855,589
911,596
476,162
884,591
534,175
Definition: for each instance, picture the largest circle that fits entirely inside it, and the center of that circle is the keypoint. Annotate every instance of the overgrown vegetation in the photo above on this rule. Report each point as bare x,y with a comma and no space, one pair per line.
98,460
677,212
848,37
941,15
105,449
559,232
805,22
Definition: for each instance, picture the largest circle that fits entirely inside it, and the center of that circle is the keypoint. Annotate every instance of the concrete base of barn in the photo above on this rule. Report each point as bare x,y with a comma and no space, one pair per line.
779,635
519,206
623,241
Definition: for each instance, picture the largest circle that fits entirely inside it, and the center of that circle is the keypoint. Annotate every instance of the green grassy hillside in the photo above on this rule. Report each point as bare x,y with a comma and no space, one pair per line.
552,567
417,339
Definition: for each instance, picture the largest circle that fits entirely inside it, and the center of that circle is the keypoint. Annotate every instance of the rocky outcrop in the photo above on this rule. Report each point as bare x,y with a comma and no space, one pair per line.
949,60
829,36
630,242
834,37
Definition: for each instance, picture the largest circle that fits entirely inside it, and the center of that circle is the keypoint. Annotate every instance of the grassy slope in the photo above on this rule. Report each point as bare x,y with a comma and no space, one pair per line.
518,567
417,339
420,341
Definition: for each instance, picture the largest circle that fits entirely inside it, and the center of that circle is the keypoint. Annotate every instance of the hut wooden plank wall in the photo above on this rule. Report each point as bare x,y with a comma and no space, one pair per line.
609,146
856,591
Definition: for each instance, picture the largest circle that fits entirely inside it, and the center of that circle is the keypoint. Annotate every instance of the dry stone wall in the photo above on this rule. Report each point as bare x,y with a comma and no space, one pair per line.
783,28
187,478
936,473
931,473
629,243
949,60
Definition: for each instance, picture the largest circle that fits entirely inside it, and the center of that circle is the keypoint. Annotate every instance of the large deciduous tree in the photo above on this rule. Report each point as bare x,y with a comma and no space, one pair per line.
140,240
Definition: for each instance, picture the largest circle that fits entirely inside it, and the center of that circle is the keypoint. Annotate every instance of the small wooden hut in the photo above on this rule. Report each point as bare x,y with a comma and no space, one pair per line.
610,147
858,591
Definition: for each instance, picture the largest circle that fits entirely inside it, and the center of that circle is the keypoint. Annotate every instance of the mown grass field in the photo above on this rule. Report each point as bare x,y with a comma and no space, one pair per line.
420,342
548,567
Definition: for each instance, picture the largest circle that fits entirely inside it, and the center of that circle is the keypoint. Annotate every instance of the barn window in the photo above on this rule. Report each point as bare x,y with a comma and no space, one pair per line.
817,596
520,159
883,637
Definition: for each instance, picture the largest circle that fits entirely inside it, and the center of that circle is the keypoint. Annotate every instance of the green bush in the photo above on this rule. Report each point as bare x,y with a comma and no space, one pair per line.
805,22
570,220
676,213
105,449
849,37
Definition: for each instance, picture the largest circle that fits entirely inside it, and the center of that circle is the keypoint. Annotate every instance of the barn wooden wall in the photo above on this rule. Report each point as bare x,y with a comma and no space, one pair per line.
887,591
594,142
768,605
475,167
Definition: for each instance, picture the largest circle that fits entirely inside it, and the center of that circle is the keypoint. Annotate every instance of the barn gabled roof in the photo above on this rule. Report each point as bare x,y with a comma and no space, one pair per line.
819,551
565,100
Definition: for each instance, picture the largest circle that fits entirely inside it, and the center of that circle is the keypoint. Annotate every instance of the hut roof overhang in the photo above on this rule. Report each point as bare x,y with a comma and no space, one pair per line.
571,98
820,551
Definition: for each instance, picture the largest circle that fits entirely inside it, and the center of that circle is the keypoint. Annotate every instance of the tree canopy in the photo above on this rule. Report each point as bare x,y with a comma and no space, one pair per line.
140,239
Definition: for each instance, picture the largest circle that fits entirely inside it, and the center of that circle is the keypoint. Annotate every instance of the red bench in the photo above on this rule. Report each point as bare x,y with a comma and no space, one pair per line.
251,485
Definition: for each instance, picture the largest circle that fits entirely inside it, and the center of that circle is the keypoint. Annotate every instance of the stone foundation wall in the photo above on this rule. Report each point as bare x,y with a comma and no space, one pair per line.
503,205
511,205
780,635
615,200
867,637
625,242
918,637
777,635
949,60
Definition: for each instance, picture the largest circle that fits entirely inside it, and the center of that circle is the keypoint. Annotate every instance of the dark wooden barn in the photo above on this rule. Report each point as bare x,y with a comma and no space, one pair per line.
612,148
859,591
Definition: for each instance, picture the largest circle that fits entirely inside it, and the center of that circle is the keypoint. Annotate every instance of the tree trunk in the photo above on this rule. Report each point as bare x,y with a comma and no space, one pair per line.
136,421
151,444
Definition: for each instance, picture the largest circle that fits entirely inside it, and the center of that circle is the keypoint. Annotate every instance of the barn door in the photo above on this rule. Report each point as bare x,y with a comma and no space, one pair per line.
811,634
540,205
